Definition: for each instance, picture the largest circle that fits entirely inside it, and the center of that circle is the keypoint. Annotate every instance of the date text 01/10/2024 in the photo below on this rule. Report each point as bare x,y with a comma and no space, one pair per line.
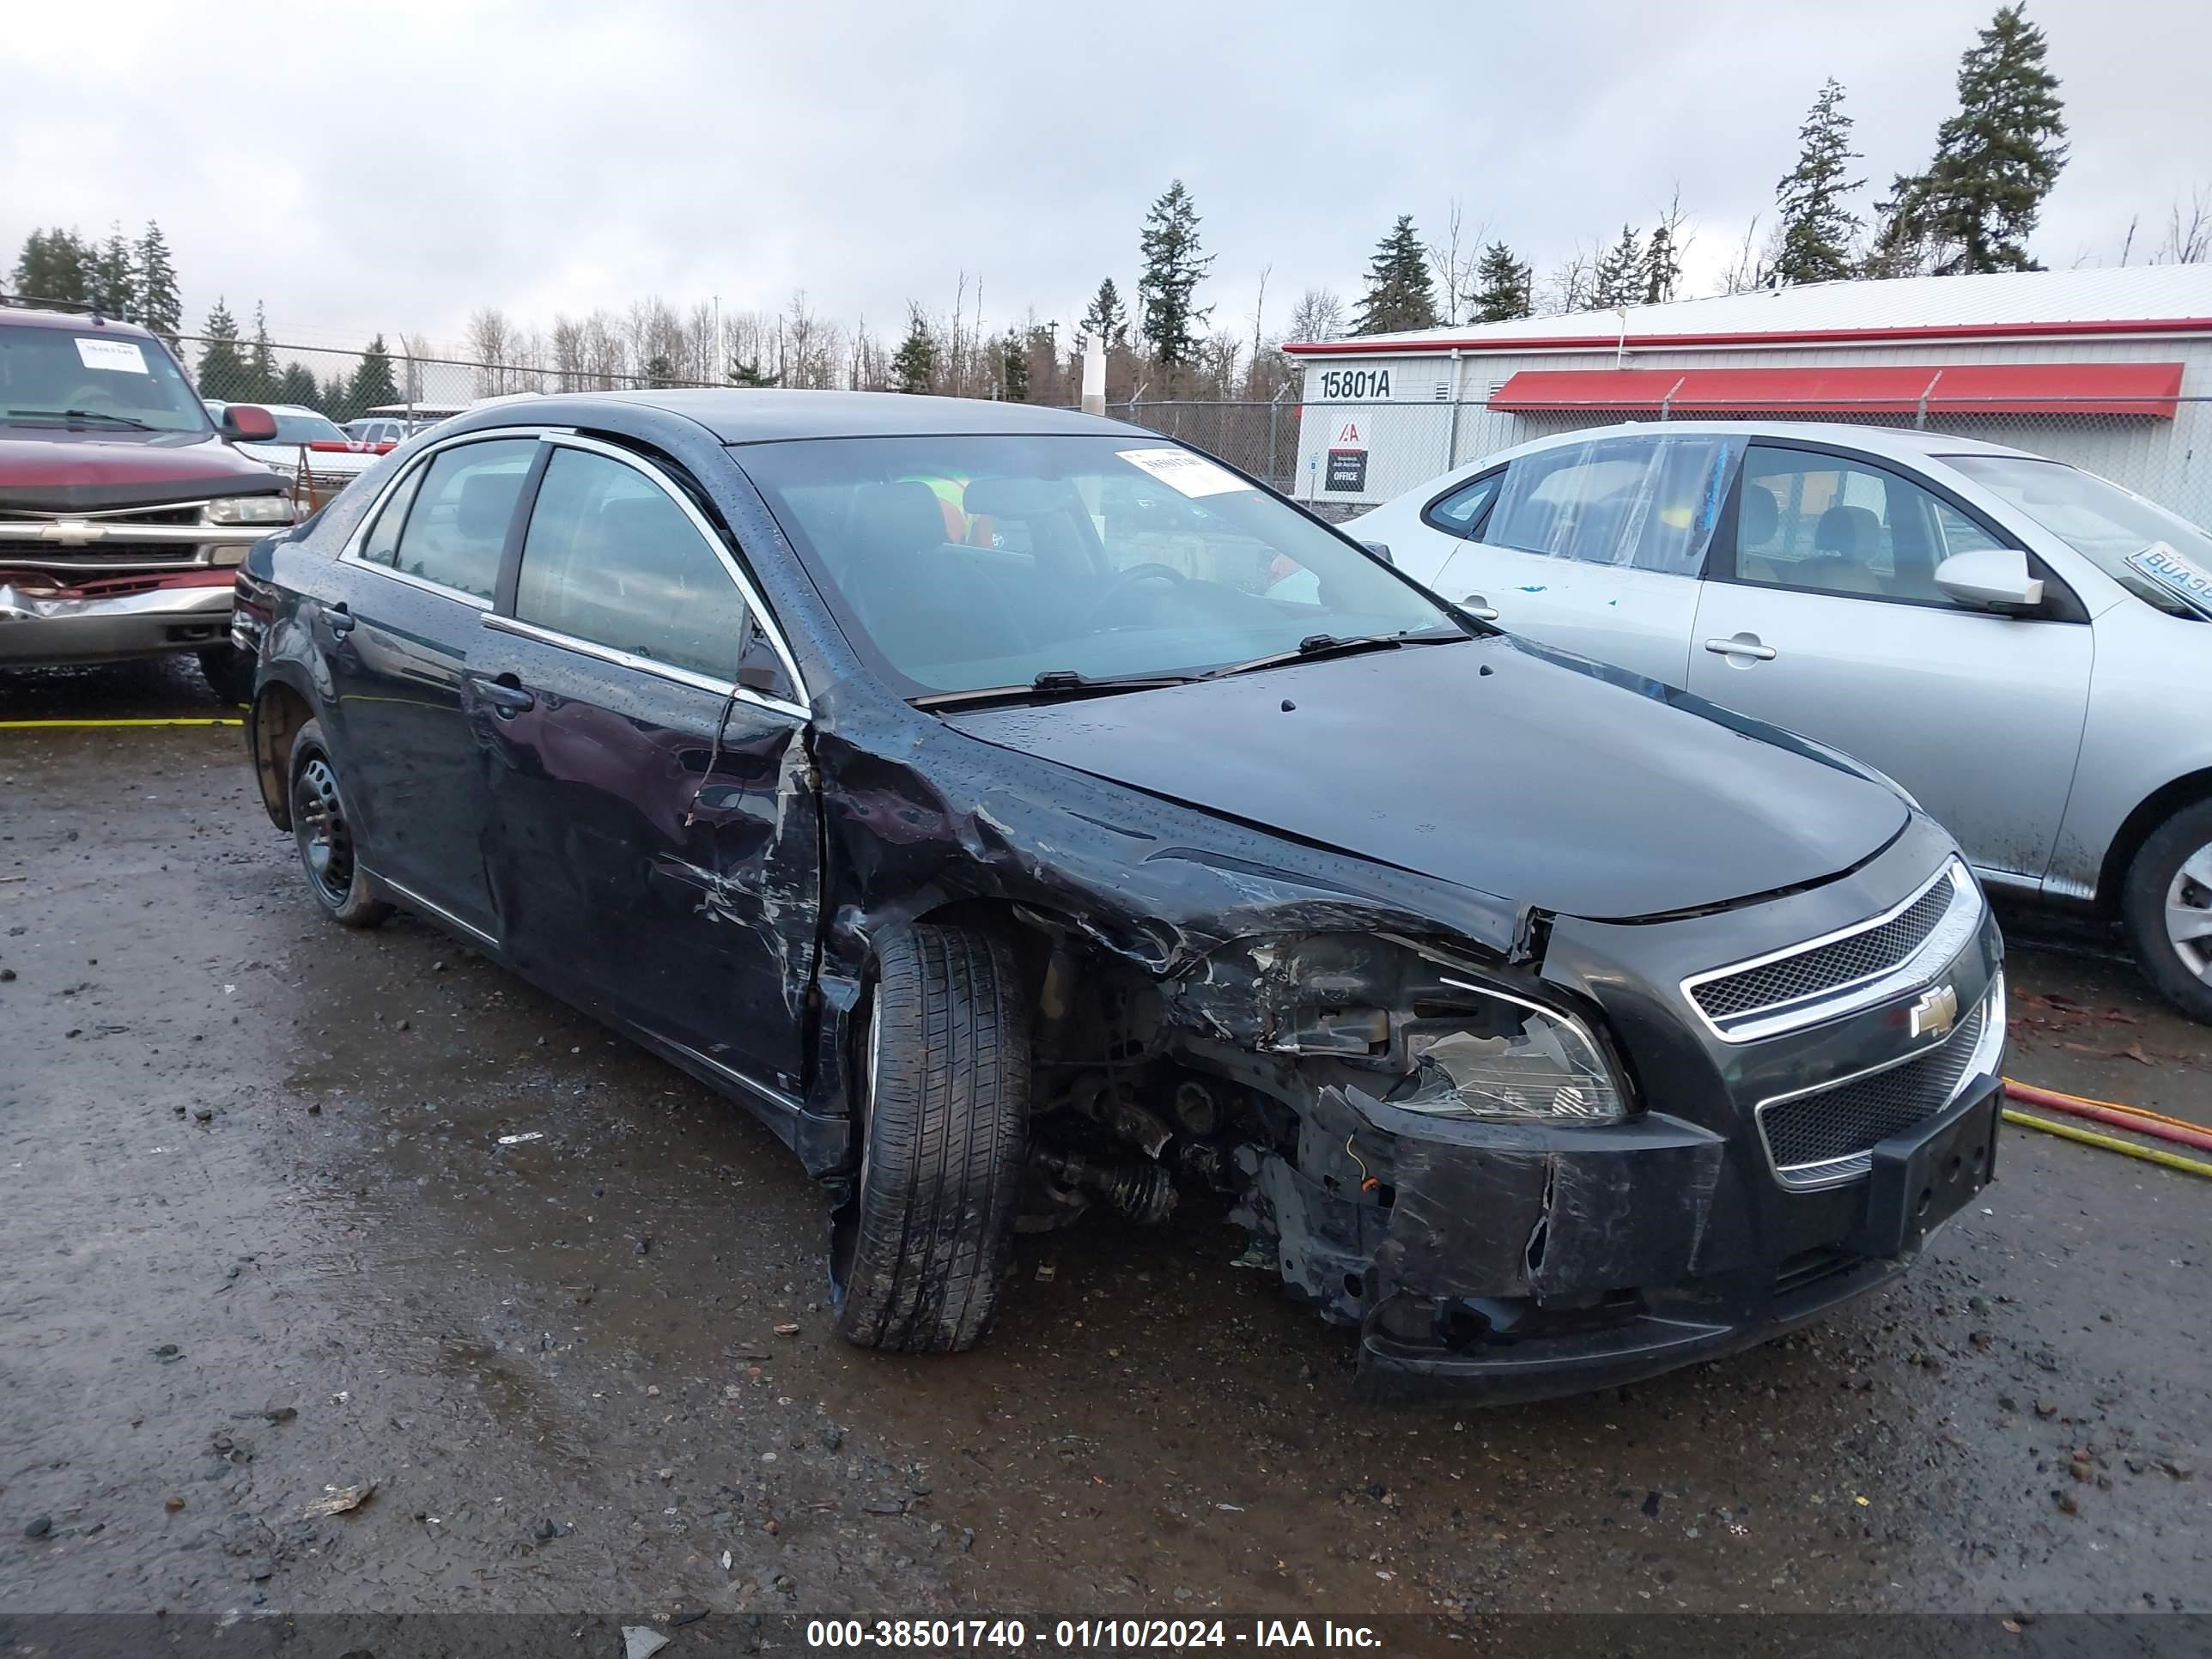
1011,1635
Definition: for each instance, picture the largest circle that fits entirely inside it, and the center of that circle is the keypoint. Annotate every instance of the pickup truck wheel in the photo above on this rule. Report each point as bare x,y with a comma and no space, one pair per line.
325,835
2167,907
918,1252
229,672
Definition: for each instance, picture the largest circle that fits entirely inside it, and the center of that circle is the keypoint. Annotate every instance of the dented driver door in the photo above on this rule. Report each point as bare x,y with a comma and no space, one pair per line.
653,843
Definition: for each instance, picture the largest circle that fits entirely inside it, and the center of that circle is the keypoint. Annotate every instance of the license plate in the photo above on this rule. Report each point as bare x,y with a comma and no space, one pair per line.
1924,1175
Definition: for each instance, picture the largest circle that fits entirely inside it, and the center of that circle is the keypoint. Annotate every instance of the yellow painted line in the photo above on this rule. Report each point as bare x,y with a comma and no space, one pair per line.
2109,1143
53,726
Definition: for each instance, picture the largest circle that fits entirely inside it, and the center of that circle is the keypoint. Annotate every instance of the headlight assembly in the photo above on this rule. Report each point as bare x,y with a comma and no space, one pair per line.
249,509
1515,1062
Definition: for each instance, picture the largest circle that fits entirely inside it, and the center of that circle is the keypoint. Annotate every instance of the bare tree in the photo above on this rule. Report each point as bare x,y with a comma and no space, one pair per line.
1318,316
490,346
1753,262
1570,286
1453,259
2188,239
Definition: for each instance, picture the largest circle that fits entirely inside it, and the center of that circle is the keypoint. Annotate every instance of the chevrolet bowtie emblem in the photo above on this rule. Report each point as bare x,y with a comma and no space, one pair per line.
1936,1012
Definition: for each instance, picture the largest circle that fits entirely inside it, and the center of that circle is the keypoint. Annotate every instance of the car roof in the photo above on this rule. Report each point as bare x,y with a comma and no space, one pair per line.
1902,441
742,414
26,317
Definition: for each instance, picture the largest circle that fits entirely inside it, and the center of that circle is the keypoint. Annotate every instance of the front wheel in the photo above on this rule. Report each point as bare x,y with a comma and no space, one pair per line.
324,833
918,1252
2167,907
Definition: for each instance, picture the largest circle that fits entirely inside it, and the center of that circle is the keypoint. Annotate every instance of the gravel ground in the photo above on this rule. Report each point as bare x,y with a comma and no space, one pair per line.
269,1246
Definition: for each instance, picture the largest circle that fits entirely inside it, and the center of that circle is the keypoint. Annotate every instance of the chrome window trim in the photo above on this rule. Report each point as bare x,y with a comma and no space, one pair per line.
1989,1047
350,553
607,653
1943,942
754,603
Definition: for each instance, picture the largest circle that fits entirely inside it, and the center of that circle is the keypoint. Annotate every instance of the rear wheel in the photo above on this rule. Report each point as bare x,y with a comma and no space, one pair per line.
918,1252
2166,906
325,835
229,672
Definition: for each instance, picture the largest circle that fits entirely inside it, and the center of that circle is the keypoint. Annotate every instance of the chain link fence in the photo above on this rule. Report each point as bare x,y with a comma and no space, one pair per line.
1342,459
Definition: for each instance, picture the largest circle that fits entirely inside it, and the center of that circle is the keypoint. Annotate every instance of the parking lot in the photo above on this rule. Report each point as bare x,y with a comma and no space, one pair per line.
289,1209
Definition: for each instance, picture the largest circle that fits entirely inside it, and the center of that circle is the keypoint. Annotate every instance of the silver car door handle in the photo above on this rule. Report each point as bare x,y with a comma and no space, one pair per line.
1739,648
1478,608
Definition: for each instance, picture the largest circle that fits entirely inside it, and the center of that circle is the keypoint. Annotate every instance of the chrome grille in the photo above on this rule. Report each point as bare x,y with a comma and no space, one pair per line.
1826,977
1827,1134
1824,968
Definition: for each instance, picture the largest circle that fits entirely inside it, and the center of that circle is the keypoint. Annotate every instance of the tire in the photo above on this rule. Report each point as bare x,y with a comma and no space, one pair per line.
229,672
2172,878
324,835
918,1252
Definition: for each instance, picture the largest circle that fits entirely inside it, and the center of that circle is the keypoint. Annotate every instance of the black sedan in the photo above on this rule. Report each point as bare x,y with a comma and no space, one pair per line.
1026,815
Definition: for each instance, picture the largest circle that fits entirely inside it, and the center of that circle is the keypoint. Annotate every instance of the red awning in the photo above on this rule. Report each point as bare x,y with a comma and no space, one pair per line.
2146,389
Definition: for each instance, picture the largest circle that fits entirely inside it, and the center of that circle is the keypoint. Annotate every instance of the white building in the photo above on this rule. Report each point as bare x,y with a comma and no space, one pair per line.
2100,368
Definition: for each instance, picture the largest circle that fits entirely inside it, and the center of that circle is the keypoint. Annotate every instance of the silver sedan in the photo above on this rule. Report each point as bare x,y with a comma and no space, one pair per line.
2018,643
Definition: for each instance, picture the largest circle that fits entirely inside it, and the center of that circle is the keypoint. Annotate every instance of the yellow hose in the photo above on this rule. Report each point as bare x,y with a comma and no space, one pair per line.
2109,1143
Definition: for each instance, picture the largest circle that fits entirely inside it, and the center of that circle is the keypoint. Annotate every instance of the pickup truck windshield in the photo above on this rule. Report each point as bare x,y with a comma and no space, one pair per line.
58,377
2161,558
968,562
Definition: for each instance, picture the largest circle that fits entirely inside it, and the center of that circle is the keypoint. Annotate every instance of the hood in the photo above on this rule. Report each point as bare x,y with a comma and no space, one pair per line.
49,470
1546,780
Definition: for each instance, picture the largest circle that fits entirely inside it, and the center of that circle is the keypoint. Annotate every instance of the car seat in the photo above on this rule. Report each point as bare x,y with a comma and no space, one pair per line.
1758,516
920,600
1845,543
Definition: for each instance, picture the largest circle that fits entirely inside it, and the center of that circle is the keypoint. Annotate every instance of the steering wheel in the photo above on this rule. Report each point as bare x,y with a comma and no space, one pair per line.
1134,576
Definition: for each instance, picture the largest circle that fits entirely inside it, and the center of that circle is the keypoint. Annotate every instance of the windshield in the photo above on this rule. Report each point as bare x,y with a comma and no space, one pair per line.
968,562
2158,556
304,426
62,377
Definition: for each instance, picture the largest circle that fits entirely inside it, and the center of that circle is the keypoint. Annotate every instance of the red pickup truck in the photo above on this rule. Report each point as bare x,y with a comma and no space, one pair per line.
124,510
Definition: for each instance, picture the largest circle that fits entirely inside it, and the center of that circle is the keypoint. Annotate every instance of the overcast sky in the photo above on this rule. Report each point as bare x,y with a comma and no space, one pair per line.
384,165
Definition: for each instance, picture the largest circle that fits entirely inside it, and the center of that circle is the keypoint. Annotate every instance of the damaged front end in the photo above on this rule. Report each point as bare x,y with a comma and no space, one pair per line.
1450,1153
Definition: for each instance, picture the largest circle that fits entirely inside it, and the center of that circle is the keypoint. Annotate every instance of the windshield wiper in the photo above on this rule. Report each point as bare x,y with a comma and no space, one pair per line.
1052,684
1330,645
80,417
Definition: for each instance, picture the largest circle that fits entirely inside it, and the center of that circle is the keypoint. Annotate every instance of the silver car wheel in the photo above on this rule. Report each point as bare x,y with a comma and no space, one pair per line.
2189,913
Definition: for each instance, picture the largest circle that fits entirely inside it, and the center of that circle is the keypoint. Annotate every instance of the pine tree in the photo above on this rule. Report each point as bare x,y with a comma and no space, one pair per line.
56,267
297,386
1996,160
222,371
659,370
158,306
1399,292
114,284
914,366
373,387
1617,282
751,374
1816,227
1014,368
337,400
1107,320
1507,286
1173,268
1661,266
261,367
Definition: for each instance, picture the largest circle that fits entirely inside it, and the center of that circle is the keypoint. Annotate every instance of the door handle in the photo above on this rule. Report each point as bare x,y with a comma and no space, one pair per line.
1478,608
1743,645
339,619
505,695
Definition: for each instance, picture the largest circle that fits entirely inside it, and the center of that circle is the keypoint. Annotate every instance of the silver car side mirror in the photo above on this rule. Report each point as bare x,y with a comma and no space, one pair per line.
1991,577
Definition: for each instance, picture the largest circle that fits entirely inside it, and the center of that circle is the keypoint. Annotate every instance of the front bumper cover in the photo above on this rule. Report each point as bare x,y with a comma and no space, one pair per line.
42,625
1628,1219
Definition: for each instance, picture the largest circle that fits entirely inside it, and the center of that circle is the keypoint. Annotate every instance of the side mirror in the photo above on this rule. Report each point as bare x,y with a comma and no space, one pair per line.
248,423
1381,550
1990,578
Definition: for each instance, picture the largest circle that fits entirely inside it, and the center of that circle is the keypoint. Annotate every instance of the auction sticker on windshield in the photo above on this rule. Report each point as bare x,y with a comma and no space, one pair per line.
116,356
2176,574
1184,473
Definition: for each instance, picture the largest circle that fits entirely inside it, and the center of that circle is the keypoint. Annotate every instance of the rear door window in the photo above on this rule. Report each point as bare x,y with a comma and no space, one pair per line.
1460,512
381,545
612,559
1645,503
457,527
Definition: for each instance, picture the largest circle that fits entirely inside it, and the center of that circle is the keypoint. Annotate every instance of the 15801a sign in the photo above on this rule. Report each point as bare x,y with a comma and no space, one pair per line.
1343,385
